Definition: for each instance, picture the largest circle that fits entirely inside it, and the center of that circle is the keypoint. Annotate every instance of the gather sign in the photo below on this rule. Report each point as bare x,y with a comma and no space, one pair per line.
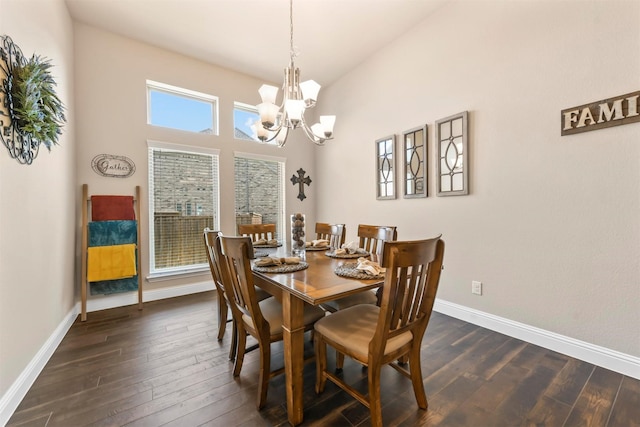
620,110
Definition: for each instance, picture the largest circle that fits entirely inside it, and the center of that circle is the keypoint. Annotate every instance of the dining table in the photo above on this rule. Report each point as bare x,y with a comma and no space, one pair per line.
315,285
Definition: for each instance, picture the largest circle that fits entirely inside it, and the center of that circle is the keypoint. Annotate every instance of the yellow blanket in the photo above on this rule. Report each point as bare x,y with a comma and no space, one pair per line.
111,262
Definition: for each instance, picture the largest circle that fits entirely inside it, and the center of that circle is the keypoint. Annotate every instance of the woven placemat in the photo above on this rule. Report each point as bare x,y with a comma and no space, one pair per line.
358,253
267,246
348,269
317,248
260,254
282,268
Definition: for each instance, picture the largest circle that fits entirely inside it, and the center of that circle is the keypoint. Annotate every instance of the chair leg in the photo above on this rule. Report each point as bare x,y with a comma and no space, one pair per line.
222,317
375,406
263,378
416,379
234,341
339,360
321,361
240,349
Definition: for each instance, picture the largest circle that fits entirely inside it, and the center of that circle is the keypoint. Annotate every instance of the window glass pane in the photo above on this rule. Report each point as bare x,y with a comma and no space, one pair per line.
244,118
183,193
259,190
178,108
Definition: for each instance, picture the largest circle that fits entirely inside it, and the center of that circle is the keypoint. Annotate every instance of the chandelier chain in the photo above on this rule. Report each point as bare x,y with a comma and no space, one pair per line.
291,51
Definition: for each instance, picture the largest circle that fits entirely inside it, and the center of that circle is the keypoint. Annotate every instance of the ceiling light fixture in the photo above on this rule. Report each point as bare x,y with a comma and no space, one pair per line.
277,120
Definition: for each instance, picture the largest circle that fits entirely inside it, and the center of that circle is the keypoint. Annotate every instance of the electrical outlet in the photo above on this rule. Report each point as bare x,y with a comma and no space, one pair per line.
476,287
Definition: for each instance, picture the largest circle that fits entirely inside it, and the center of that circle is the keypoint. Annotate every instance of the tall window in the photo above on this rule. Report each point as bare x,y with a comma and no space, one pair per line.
259,185
183,109
183,200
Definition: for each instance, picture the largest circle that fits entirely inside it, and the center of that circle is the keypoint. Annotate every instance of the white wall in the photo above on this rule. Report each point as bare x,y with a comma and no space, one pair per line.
37,203
111,73
551,225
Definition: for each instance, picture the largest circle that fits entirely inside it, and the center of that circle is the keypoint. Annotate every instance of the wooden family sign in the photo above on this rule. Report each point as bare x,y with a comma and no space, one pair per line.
620,110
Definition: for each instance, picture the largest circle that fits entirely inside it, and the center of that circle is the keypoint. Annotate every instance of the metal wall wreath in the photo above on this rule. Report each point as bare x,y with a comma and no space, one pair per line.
30,111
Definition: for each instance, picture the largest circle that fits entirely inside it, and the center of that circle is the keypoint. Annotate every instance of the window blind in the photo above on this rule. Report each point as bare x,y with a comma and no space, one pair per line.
259,189
183,193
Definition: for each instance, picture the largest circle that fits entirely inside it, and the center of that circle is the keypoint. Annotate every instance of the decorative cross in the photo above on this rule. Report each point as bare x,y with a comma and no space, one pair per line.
301,180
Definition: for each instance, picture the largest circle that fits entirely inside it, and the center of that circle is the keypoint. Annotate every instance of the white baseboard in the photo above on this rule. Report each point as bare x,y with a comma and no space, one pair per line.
12,398
600,356
23,383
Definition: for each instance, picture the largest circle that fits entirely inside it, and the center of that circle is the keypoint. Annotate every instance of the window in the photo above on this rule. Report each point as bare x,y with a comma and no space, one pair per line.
183,109
259,190
245,117
181,176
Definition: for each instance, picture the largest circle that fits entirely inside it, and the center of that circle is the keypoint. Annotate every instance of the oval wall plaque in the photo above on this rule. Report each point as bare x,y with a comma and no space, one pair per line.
113,166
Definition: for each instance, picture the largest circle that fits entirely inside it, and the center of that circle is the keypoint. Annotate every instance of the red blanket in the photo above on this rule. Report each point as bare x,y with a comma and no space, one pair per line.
110,208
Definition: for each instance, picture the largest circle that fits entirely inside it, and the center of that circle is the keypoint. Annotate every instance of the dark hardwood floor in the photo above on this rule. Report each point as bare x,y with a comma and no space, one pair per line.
164,367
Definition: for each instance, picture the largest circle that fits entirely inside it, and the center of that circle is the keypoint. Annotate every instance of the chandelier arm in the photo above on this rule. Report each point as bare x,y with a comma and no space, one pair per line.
275,135
318,140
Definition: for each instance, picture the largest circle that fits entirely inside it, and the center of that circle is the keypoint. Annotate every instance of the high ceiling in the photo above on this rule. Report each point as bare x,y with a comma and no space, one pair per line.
252,36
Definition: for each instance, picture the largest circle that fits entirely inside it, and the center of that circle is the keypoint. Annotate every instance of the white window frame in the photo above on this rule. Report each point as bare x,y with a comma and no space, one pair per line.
168,273
186,93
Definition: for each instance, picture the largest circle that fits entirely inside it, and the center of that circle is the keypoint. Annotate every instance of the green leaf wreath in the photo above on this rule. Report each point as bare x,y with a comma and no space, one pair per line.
36,108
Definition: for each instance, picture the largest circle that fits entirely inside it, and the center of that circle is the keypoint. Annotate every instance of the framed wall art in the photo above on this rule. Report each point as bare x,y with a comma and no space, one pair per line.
414,155
452,163
385,168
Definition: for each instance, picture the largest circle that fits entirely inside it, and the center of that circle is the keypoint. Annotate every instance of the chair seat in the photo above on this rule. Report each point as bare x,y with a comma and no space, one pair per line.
354,327
261,294
366,297
272,312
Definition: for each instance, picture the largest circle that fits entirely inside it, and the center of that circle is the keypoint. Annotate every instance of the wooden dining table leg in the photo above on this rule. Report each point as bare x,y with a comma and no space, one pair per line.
293,334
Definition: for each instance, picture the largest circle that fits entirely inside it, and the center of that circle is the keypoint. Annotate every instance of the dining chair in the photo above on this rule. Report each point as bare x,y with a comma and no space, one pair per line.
223,309
379,335
257,231
211,242
372,239
261,319
334,233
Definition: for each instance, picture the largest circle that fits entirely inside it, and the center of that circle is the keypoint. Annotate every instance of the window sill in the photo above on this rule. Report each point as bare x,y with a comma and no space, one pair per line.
177,274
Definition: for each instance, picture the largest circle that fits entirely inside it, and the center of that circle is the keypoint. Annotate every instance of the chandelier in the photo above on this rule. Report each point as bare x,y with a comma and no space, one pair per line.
276,120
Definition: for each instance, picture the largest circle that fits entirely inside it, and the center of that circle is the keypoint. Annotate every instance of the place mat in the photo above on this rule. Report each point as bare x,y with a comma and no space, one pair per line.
358,253
282,268
260,254
348,269
267,246
317,248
